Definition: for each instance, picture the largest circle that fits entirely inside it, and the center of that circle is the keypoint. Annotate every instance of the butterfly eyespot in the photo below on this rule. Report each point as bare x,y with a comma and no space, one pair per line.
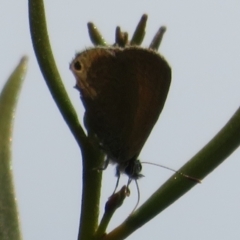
77,66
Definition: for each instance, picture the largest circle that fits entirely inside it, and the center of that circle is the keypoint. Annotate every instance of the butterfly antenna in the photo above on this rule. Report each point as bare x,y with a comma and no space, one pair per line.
184,175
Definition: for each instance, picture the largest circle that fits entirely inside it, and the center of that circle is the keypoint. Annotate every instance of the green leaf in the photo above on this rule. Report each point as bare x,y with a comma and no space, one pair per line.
139,32
203,163
95,36
9,222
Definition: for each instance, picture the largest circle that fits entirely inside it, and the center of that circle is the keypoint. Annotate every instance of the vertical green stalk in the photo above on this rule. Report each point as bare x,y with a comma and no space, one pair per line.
91,157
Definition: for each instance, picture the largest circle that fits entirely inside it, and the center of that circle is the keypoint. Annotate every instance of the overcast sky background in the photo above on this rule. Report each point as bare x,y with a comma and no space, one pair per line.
202,45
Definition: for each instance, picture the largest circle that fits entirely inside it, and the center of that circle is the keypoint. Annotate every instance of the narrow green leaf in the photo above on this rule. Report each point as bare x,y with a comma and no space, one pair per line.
95,36
9,222
121,38
139,33
157,38
203,163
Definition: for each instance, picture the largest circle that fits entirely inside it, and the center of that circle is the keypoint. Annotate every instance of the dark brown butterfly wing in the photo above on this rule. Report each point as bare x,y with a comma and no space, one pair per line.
153,76
123,92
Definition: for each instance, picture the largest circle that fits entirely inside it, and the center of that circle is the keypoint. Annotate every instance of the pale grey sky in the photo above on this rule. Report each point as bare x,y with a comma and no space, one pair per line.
201,45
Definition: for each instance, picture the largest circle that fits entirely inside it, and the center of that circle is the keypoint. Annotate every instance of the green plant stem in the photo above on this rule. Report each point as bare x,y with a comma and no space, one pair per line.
114,202
43,52
90,193
90,155
204,162
9,222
